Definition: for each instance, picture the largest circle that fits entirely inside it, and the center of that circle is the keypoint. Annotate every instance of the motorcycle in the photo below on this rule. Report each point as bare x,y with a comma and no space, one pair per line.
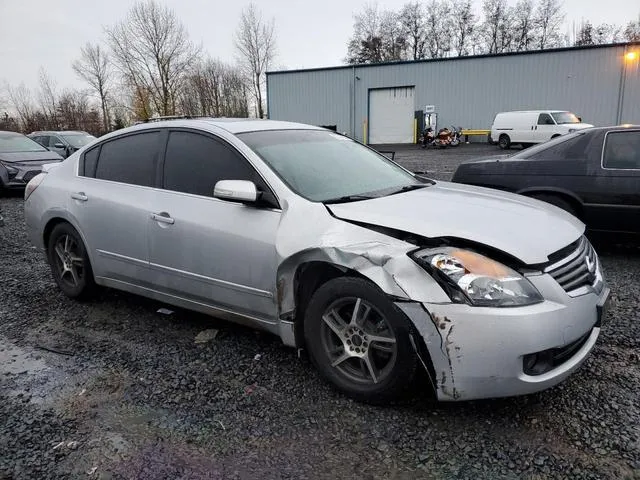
456,137
441,140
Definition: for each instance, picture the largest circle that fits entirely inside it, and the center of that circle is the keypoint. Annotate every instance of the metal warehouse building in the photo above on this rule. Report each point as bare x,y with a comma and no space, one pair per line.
385,103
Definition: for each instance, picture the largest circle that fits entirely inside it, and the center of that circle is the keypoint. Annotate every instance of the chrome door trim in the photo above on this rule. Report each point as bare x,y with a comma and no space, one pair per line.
122,258
212,281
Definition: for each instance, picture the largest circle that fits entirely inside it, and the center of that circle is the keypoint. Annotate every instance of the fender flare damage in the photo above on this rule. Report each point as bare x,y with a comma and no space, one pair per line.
389,267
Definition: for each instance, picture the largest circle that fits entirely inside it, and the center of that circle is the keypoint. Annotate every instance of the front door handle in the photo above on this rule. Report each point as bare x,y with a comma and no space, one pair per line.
163,217
79,196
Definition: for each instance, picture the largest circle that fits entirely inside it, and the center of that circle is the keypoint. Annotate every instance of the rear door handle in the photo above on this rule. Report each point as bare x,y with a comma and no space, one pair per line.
79,196
163,217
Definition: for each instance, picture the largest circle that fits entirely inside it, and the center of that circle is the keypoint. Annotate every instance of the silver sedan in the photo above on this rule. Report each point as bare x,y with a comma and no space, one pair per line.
333,247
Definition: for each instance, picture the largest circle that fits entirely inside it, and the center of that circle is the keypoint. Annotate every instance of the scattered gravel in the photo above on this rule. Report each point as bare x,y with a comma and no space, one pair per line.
112,389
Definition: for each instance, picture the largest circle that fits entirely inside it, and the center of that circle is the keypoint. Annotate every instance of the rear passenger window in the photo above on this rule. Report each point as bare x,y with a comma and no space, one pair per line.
622,150
90,162
194,163
131,159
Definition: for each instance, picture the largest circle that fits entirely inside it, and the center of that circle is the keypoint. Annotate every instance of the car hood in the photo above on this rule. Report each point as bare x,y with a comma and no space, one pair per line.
527,229
32,158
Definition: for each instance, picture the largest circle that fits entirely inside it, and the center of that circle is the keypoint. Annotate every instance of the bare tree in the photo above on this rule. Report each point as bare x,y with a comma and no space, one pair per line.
215,89
525,25
439,29
589,34
22,102
497,29
393,40
411,19
256,45
152,50
549,20
378,36
607,33
48,98
365,45
632,31
464,25
93,68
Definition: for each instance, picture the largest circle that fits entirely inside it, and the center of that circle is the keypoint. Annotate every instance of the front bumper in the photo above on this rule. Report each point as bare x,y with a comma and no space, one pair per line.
479,352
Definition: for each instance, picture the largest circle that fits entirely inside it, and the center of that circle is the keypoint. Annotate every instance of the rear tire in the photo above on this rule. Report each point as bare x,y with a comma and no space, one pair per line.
368,357
558,201
504,142
69,262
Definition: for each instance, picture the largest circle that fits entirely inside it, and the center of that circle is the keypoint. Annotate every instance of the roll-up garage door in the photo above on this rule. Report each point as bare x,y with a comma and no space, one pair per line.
391,112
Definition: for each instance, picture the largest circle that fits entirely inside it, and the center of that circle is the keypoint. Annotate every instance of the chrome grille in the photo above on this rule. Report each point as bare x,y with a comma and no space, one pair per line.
578,269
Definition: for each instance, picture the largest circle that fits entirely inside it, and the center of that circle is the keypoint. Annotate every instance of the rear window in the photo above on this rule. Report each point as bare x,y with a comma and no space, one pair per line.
131,159
622,150
574,147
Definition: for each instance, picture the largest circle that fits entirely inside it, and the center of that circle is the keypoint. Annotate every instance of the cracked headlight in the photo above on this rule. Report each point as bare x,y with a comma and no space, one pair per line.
469,277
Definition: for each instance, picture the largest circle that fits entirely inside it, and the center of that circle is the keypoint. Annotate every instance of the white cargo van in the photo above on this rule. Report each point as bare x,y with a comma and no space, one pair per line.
534,126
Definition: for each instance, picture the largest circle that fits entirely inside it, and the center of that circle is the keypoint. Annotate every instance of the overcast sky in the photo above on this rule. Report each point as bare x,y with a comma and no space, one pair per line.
36,33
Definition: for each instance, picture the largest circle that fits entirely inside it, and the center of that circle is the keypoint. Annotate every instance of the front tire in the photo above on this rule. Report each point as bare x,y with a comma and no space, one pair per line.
359,340
69,262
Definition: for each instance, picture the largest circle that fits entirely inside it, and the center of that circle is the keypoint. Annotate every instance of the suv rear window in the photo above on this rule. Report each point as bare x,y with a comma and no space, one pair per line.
131,159
622,151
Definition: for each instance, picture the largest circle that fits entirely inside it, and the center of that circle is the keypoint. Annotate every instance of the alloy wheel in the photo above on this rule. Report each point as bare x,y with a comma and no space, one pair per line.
358,341
68,260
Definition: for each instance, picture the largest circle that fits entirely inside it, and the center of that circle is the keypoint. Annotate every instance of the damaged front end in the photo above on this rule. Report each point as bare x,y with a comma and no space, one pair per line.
476,311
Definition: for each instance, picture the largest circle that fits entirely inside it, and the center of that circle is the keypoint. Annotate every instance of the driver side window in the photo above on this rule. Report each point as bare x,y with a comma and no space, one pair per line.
545,119
194,163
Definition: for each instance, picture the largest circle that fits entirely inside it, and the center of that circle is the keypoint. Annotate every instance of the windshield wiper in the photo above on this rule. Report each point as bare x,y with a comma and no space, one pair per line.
349,198
408,188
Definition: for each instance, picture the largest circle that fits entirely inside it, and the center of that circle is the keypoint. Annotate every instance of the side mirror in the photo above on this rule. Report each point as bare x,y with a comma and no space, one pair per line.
242,191
580,119
59,145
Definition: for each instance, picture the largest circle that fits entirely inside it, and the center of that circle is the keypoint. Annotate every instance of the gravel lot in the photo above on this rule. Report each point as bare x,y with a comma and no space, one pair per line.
113,389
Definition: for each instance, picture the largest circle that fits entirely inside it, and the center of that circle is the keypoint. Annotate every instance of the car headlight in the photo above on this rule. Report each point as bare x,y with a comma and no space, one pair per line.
469,277
571,130
11,169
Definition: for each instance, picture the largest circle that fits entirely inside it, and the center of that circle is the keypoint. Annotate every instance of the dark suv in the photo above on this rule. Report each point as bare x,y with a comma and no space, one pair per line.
64,143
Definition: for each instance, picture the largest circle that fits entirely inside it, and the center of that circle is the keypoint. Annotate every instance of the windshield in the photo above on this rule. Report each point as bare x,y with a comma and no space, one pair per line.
15,142
323,166
78,140
565,117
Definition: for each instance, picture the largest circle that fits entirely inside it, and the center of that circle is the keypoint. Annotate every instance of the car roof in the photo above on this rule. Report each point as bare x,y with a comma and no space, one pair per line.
9,133
231,125
535,111
58,132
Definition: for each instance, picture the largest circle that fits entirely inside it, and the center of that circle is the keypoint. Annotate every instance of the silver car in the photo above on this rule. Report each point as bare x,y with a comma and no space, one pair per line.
309,235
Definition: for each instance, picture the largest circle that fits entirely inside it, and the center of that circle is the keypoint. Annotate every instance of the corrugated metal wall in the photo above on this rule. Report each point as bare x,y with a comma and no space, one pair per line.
467,92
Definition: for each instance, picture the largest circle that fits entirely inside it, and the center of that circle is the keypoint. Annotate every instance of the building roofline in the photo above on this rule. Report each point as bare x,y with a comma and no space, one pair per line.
449,59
